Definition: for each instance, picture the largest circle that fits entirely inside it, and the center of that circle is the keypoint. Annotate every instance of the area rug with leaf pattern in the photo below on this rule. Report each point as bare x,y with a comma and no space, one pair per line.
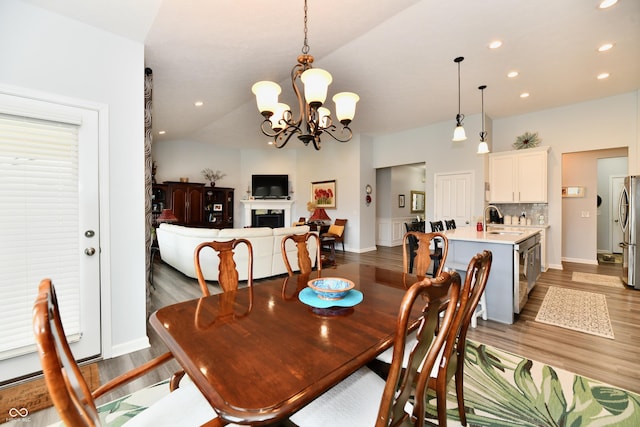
503,389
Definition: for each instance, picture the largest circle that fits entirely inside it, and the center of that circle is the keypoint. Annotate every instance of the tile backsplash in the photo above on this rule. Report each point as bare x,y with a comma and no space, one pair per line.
531,210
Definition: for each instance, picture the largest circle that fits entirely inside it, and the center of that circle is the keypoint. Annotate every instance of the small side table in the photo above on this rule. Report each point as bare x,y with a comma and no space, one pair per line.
328,243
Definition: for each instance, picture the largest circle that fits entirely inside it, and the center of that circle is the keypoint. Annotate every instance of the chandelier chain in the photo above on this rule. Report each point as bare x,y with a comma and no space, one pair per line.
305,46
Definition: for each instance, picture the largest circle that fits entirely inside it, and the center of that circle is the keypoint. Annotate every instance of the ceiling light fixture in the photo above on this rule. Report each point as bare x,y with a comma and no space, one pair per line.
483,148
603,76
607,3
314,119
605,47
512,74
458,133
495,44
524,95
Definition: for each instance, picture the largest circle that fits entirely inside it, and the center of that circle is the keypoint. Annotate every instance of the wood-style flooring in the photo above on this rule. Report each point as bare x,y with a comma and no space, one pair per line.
612,361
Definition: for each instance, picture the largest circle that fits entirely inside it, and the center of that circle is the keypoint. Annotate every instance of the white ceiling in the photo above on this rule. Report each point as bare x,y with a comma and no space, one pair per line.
397,55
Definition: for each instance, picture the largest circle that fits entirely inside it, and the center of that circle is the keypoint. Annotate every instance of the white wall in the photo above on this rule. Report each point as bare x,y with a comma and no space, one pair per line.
433,146
49,53
604,123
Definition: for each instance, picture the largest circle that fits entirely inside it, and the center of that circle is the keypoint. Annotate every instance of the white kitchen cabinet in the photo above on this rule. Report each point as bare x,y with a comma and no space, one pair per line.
518,176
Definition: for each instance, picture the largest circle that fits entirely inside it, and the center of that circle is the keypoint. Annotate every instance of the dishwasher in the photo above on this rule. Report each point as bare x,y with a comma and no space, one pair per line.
527,270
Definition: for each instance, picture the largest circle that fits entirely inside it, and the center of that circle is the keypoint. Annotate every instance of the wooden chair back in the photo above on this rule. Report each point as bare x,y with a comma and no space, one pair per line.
305,263
400,383
68,389
452,360
228,273
422,255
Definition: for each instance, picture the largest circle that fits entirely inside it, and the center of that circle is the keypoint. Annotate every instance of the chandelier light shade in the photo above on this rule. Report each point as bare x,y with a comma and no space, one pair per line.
313,119
483,148
458,132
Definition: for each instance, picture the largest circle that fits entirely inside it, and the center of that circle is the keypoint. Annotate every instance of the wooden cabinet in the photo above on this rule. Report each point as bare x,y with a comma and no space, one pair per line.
218,207
186,202
518,176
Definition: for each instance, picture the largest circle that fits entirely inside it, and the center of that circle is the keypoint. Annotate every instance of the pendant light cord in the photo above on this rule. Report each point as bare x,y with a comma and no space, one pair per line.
305,46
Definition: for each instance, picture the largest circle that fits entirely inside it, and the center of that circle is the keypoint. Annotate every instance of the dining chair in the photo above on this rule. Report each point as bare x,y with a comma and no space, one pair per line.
421,255
450,224
451,360
364,398
70,394
228,276
305,264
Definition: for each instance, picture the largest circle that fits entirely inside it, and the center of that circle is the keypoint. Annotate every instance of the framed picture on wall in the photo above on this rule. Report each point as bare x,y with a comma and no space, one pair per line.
323,194
217,207
401,200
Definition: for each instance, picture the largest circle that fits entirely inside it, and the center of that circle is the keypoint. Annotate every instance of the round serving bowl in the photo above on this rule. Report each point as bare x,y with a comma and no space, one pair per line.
331,288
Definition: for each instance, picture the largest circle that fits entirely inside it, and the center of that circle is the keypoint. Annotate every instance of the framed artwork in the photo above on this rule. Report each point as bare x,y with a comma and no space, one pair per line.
217,207
323,194
417,201
401,200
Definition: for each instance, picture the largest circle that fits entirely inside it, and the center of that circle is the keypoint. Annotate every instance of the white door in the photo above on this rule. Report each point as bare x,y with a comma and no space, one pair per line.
453,197
616,183
49,225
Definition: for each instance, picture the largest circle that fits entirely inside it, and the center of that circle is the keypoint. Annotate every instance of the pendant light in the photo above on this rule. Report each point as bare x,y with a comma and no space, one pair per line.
458,133
483,148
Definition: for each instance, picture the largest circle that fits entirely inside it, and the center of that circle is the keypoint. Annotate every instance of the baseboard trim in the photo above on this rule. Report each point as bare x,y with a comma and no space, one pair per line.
581,260
130,347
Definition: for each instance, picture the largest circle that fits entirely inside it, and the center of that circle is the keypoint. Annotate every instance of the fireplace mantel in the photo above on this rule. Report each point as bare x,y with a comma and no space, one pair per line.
280,204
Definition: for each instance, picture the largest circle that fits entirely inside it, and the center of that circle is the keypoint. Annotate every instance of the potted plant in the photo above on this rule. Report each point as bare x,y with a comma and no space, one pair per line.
212,176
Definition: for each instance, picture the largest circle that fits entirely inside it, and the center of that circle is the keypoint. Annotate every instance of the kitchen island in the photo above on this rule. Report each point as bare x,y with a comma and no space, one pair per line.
507,288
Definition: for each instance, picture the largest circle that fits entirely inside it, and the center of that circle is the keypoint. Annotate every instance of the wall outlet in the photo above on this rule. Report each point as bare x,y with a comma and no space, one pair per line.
585,214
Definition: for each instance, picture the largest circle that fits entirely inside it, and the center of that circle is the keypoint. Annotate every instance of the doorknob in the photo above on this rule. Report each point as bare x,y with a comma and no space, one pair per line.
89,251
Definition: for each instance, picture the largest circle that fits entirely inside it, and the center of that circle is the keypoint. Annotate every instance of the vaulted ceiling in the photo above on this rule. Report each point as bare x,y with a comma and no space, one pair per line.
397,55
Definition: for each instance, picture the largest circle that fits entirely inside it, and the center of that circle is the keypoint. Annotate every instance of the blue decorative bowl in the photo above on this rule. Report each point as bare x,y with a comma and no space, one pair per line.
331,288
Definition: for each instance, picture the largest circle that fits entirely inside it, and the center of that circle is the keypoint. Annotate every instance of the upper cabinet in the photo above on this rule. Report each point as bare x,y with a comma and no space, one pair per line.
518,176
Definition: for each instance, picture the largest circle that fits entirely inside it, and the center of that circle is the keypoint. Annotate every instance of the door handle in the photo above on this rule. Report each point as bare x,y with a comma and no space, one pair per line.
89,251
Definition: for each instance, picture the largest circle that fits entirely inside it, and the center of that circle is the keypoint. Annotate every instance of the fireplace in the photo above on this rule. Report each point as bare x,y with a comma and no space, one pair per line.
267,218
280,207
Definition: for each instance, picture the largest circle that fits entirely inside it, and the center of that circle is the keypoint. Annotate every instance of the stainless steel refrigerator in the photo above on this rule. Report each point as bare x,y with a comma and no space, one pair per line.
629,220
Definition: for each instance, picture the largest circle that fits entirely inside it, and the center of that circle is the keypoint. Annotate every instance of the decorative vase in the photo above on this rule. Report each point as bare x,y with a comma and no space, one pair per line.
213,183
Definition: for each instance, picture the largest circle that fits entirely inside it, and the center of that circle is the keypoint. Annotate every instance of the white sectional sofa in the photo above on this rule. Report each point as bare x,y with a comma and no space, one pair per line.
177,245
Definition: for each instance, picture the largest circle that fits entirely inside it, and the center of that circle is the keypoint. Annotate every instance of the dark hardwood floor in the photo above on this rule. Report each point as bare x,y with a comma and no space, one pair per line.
612,361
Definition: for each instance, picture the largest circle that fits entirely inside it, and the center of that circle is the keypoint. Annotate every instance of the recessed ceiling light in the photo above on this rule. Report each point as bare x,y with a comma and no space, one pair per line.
607,3
495,44
512,74
605,47
603,76
524,95
162,132
198,103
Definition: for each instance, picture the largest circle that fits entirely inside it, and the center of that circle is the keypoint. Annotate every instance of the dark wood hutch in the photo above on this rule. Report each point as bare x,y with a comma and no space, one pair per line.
194,204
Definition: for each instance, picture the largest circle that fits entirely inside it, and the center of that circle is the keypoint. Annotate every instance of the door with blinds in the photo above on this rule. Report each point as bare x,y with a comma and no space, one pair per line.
49,226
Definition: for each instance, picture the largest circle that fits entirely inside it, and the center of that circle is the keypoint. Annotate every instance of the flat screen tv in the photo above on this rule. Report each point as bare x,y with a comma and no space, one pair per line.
270,186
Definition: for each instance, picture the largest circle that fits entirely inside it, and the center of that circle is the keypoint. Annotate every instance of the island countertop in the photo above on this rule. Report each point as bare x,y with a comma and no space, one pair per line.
511,236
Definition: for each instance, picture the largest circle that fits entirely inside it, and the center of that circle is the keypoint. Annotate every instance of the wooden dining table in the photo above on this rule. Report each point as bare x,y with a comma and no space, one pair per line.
258,355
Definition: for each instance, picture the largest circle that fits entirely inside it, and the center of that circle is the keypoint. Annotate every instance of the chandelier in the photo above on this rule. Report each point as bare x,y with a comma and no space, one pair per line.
313,119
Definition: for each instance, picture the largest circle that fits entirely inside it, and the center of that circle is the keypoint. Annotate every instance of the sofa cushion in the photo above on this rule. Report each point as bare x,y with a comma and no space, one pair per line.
205,233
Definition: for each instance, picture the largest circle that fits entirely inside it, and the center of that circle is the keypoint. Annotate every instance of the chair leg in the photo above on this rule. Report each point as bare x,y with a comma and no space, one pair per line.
459,392
441,404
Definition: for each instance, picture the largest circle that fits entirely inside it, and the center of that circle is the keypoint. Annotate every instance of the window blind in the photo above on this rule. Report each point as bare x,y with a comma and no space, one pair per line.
39,236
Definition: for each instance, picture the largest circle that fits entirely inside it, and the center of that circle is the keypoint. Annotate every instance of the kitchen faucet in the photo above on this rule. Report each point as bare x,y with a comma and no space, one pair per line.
484,215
